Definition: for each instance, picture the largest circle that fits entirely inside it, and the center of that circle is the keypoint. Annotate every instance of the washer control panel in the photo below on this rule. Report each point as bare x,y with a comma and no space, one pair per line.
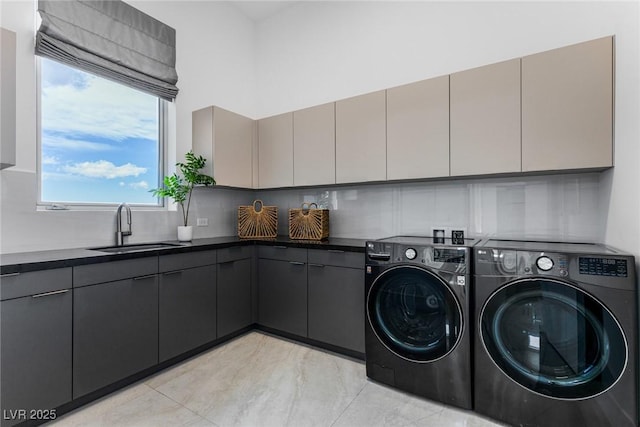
544,263
599,266
410,253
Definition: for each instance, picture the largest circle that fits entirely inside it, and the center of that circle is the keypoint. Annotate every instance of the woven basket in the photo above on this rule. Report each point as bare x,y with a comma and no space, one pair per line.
308,223
257,222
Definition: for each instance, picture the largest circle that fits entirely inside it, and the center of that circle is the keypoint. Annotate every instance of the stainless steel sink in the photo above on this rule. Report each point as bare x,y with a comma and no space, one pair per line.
136,248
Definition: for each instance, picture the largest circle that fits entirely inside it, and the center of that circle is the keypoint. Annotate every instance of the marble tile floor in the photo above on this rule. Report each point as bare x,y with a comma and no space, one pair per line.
261,380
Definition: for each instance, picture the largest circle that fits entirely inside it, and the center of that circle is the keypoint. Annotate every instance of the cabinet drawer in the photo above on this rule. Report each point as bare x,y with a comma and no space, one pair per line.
186,260
234,253
337,258
35,282
282,253
111,271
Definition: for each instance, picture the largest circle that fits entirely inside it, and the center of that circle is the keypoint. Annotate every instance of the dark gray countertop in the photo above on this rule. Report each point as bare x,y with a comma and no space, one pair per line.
43,260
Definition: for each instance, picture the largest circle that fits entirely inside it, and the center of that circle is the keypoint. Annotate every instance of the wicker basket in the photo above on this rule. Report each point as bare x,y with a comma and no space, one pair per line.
257,222
308,223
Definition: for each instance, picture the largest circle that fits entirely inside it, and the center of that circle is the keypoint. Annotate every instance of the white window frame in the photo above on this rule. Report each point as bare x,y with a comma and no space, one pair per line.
163,137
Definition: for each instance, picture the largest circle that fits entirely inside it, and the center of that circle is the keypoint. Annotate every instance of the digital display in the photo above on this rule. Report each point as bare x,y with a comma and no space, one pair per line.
603,266
448,255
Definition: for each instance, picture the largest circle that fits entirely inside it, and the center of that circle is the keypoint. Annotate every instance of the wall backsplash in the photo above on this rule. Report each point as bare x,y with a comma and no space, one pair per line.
557,207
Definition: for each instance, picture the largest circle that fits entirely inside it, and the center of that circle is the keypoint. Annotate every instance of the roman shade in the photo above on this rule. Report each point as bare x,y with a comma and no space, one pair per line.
111,39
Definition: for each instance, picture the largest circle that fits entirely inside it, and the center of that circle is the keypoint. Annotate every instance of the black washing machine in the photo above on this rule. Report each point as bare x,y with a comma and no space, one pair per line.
417,305
555,343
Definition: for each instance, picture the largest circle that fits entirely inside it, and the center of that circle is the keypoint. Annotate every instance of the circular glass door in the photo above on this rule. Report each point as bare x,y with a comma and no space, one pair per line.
553,338
414,313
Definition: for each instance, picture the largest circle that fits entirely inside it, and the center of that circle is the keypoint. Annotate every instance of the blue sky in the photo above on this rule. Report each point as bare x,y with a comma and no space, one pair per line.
99,139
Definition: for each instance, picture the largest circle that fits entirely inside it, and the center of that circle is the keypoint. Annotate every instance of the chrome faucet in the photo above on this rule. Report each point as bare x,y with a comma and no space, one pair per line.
119,233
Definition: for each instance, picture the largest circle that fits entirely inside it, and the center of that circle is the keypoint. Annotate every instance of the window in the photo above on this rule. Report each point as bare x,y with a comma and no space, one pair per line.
100,142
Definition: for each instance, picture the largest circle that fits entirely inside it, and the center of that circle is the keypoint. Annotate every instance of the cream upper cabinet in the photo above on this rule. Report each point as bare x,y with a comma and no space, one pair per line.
418,130
314,145
485,120
275,151
8,100
225,139
361,142
567,107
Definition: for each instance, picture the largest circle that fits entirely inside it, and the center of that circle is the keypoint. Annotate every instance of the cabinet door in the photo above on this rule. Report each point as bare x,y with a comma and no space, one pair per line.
314,145
187,310
275,151
115,332
485,120
336,306
36,352
282,295
567,107
418,130
234,296
225,139
361,143
8,100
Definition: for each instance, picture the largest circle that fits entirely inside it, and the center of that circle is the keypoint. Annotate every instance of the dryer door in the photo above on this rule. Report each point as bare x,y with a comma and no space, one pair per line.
553,338
414,313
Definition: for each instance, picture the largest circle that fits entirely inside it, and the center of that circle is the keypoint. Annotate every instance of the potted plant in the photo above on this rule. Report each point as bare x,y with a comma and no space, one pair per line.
180,189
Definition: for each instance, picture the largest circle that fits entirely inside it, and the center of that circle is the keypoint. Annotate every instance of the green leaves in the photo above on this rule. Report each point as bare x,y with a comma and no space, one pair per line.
179,188
191,170
174,187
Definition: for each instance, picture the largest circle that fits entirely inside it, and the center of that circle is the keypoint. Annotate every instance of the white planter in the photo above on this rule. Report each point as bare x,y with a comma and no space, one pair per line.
185,233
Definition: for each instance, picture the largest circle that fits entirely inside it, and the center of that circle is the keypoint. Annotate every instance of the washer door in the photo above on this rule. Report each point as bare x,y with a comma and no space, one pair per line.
414,313
553,338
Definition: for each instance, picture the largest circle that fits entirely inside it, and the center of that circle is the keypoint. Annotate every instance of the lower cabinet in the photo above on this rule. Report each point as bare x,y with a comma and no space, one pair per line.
336,306
36,346
115,331
187,310
336,298
282,293
234,296
318,294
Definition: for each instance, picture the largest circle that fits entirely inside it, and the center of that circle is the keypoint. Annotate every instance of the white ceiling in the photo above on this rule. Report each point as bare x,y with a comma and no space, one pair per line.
260,10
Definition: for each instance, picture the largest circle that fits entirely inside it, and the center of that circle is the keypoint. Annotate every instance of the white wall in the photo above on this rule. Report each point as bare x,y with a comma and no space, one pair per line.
315,52
215,63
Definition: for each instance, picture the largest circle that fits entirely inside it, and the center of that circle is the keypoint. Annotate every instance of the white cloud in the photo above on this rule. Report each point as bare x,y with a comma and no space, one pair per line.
104,169
72,144
121,184
100,108
142,185
50,160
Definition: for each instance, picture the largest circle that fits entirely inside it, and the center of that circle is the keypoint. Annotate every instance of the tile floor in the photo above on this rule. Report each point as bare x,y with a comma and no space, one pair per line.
261,380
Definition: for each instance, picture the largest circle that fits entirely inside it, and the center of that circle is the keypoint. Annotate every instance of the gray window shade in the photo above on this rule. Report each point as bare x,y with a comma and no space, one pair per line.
111,39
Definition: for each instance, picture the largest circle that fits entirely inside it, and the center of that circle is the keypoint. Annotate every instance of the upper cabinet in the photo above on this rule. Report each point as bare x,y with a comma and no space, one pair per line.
8,100
485,120
225,139
550,111
567,107
361,142
275,151
418,130
314,145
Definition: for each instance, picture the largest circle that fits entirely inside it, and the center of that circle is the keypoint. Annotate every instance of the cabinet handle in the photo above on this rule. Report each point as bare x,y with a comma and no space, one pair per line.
281,247
144,277
335,251
316,265
47,294
168,273
2,276
296,262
